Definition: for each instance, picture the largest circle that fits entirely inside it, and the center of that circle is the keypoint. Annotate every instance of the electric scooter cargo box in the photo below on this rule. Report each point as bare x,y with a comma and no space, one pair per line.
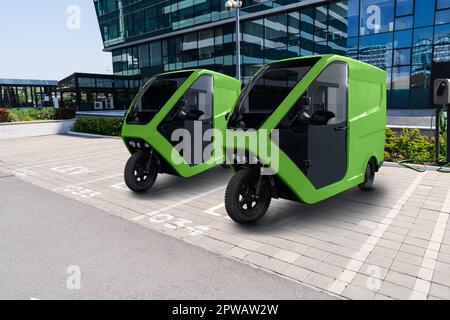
322,120
173,108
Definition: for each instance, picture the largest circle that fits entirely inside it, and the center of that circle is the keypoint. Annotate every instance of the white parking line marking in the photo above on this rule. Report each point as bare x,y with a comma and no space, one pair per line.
212,211
347,276
72,158
426,271
178,204
88,182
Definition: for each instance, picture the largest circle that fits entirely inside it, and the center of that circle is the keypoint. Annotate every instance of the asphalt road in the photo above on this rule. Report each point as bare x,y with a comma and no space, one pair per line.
44,235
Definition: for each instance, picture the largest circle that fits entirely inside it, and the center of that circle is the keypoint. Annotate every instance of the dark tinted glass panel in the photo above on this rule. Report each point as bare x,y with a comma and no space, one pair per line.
155,95
404,23
423,36
405,7
424,13
420,86
443,4
403,39
268,90
443,17
400,87
442,34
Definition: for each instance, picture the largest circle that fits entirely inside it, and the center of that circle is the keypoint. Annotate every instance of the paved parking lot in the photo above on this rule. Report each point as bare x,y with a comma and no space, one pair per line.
391,243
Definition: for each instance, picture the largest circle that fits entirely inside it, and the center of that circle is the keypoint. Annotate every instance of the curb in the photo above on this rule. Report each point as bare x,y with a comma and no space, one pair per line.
397,165
90,135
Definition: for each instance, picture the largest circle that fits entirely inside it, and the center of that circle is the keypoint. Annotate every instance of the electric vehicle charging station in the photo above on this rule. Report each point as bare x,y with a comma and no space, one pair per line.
192,102
330,112
442,102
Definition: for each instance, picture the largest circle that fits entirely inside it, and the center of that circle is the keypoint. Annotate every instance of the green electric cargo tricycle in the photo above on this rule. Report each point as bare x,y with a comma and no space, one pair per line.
178,108
323,118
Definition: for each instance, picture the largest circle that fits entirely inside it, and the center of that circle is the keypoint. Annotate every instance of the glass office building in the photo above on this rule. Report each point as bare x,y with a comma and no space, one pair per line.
410,39
16,93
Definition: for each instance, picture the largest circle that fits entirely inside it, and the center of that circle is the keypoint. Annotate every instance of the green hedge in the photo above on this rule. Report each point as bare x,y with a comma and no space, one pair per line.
101,126
411,145
34,114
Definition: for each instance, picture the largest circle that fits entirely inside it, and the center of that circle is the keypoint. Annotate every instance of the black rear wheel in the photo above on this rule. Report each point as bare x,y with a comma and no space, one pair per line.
141,172
243,202
369,177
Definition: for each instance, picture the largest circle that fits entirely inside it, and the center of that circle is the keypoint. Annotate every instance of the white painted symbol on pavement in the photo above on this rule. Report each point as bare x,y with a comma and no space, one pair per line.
212,211
174,223
72,170
82,192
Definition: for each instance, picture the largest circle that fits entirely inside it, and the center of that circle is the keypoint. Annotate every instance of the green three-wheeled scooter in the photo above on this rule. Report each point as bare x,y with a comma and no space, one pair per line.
177,108
324,117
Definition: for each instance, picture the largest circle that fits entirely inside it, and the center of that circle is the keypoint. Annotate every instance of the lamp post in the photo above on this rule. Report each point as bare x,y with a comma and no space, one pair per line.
230,5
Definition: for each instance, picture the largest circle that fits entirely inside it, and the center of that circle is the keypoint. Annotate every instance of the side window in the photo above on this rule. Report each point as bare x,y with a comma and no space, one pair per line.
199,97
329,92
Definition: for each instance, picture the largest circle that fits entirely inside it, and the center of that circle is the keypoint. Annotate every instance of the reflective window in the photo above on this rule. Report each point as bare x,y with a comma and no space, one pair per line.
443,4
400,87
442,34
443,17
424,13
423,36
402,57
403,39
405,7
404,23
420,87
377,16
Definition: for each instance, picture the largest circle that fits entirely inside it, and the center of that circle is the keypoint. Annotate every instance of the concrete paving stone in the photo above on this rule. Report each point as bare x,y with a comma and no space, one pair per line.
363,281
307,263
405,268
442,267
384,252
444,257
373,271
287,256
394,236
440,291
395,291
268,250
399,227
288,245
257,259
356,293
337,260
275,265
379,261
238,252
394,245
421,243
316,254
296,272
400,279
329,270
417,251
409,258
250,244
318,280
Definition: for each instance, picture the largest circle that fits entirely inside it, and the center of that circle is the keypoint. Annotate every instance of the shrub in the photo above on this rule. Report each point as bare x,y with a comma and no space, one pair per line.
34,114
4,115
411,145
101,126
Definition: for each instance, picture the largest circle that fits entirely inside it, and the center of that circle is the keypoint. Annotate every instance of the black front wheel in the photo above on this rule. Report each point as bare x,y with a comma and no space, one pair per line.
244,203
141,172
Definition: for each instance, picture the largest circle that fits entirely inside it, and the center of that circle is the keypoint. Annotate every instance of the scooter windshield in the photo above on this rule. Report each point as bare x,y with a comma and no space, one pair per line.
267,90
154,96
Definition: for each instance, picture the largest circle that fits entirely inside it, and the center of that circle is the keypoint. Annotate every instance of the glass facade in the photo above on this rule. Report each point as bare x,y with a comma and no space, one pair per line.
90,92
27,93
403,37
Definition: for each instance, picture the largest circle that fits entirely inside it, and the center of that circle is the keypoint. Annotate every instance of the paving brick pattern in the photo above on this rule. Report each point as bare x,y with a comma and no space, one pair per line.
391,243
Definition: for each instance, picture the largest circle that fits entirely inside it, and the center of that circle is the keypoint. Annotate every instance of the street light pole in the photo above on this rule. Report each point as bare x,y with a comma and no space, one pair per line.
238,41
230,5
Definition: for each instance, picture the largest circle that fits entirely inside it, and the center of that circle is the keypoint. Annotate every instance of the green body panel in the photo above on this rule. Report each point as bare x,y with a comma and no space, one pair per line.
226,92
366,122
